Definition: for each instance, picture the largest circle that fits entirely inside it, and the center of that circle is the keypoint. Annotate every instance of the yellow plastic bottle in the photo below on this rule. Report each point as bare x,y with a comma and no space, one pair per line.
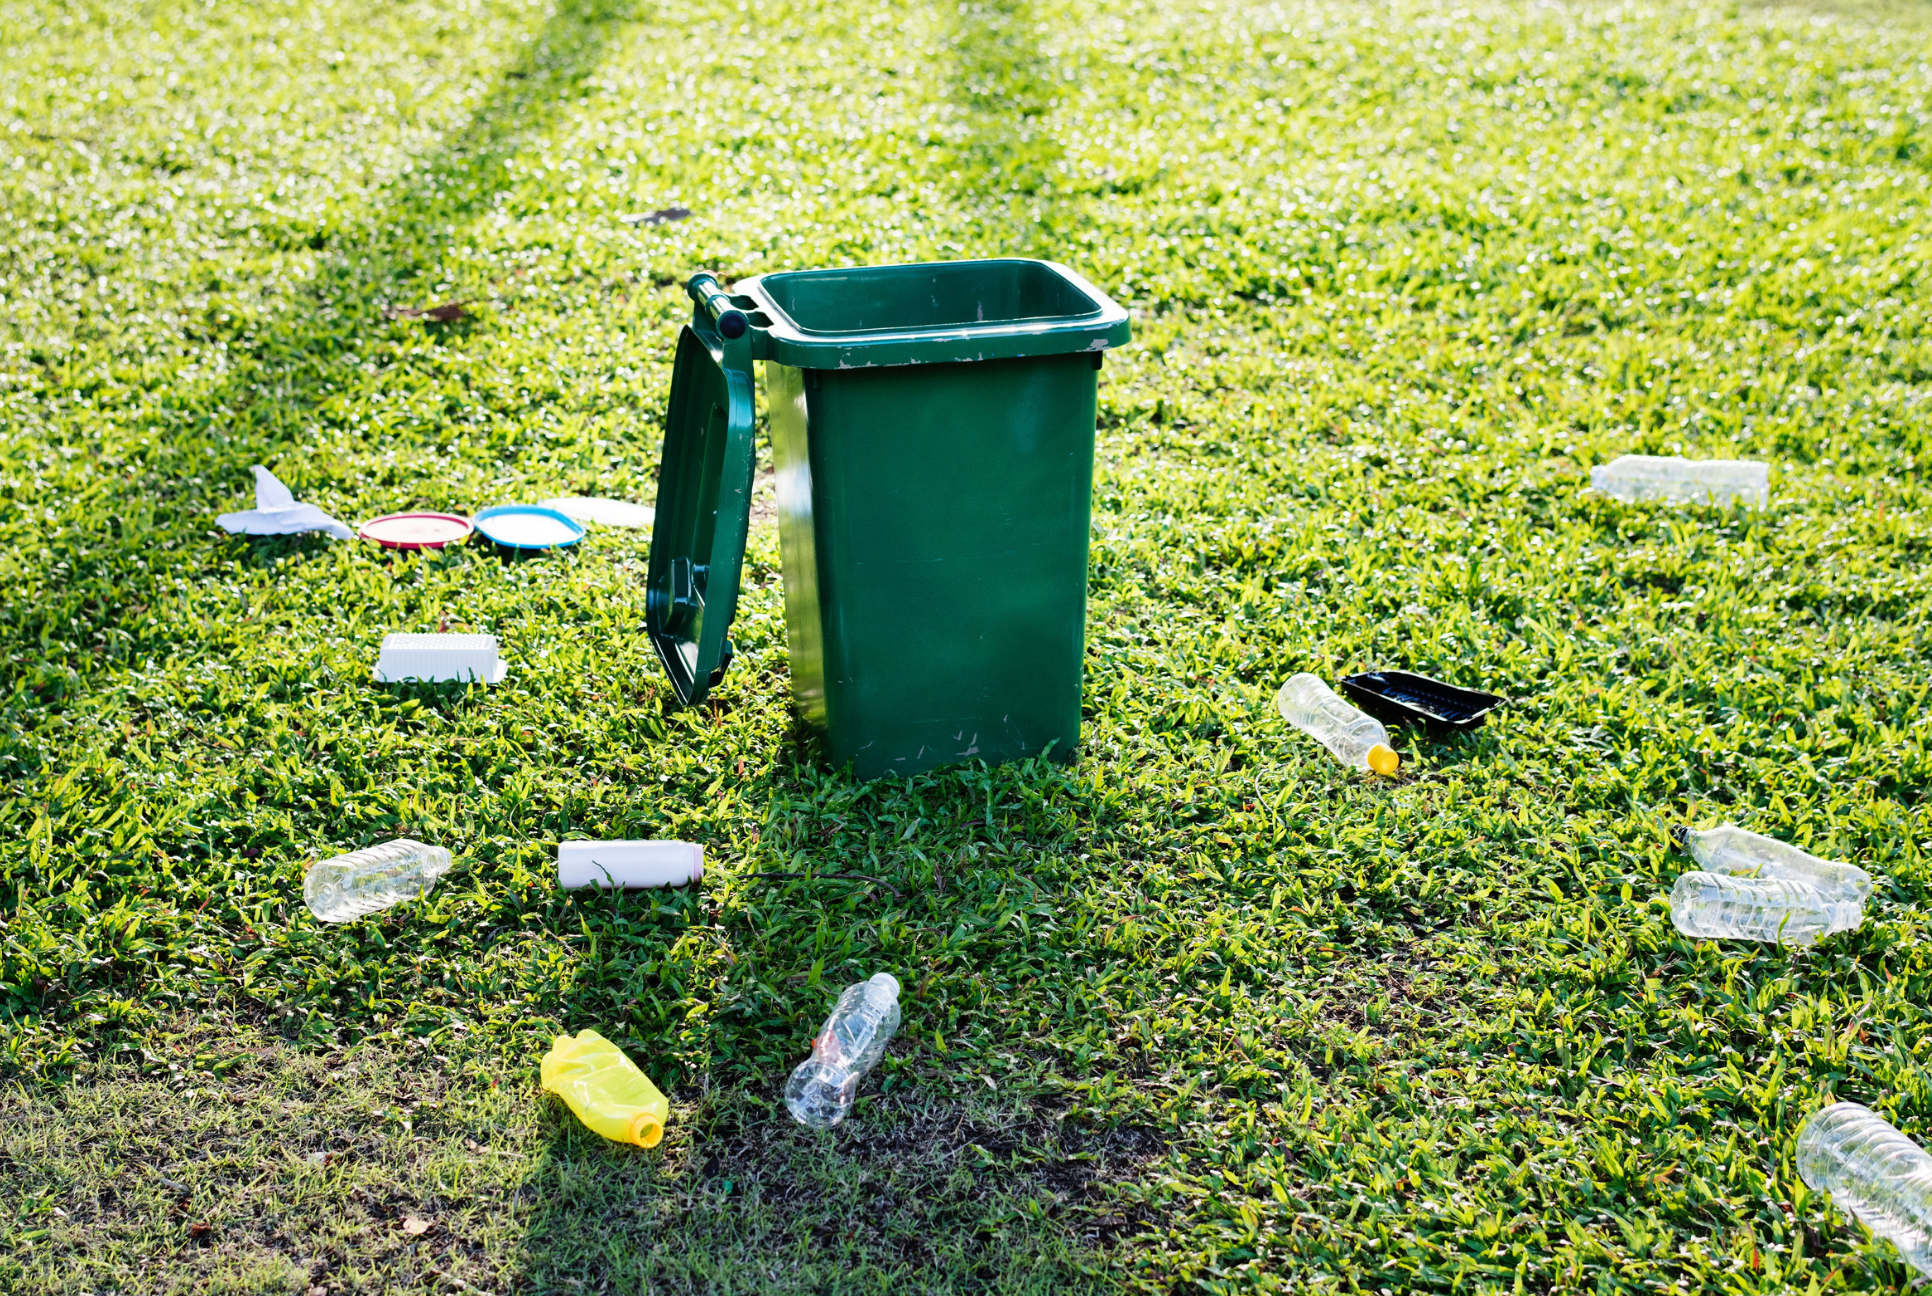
605,1088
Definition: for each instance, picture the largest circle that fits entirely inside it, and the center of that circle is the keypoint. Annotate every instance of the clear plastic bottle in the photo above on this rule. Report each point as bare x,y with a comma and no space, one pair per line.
1873,1172
853,1040
1683,481
1741,853
1355,738
1717,906
361,882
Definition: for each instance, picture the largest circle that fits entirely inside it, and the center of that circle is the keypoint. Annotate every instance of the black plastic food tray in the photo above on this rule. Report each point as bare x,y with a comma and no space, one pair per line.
1403,698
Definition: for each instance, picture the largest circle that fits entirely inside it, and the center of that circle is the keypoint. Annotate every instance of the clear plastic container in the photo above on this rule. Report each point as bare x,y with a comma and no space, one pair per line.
1353,737
1740,853
1716,906
854,1038
362,882
1873,1172
1683,481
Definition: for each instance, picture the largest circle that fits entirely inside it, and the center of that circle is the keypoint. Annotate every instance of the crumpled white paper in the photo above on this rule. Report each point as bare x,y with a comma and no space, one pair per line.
277,513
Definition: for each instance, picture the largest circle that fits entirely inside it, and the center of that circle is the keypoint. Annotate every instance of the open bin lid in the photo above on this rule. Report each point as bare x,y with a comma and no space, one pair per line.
703,503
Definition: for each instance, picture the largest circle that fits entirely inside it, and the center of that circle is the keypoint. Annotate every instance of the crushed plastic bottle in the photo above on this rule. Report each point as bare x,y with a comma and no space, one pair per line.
362,882
605,1088
1683,481
1873,1172
854,1038
1741,853
1353,737
1717,906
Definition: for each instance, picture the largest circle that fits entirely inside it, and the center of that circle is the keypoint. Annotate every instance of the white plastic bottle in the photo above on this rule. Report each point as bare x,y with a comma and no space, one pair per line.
1355,738
362,882
1741,853
1683,481
1872,1172
628,863
854,1038
1716,906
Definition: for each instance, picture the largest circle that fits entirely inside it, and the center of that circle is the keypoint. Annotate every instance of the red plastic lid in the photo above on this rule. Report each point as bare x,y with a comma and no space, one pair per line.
415,530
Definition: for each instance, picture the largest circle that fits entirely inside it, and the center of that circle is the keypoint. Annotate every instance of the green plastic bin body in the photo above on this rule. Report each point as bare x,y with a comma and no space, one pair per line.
933,432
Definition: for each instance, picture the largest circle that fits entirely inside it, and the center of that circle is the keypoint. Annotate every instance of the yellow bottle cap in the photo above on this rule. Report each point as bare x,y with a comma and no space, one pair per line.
1383,760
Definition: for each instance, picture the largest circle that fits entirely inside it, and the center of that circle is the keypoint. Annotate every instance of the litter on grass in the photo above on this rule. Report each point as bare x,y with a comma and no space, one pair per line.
347,887
1351,737
1751,887
1872,1172
614,864
1742,853
1717,906
605,1088
528,526
439,659
277,513
1400,697
853,1039
415,530
1638,478
604,512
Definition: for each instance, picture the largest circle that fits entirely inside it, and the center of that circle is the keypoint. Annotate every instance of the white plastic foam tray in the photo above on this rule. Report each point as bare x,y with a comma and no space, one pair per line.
628,863
436,658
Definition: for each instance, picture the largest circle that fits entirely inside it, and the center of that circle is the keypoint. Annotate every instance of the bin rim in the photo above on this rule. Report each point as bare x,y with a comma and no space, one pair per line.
777,336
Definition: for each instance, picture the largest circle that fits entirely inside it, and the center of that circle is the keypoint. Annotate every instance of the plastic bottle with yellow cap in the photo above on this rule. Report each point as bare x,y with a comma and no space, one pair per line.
605,1088
1355,738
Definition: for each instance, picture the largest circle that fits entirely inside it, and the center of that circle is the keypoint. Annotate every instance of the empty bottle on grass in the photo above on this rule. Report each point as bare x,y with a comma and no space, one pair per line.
1734,850
1717,906
1873,1172
1354,737
854,1038
606,1090
1683,481
364,881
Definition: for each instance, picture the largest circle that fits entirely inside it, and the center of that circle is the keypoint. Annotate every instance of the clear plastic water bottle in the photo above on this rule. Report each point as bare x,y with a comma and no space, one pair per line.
853,1040
1717,906
1873,1172
1731,849
1683,481
364,881
1355,738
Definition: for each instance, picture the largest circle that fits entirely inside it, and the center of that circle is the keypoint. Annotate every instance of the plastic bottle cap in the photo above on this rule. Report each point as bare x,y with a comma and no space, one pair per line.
1383,760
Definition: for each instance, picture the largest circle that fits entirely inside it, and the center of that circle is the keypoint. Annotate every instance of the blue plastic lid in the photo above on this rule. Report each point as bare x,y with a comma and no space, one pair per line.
528,526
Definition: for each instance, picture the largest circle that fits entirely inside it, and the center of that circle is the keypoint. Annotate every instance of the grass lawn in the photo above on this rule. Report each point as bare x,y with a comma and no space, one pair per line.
1201,1011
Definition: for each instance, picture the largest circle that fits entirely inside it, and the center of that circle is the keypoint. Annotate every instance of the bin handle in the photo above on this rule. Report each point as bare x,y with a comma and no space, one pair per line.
714,301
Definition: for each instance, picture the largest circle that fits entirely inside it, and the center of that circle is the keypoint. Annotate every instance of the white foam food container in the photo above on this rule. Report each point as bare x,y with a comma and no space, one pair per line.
628,863
437,658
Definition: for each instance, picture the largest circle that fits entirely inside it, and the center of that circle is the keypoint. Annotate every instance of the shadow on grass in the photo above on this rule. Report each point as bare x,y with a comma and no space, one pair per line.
1002,81
293,363
910,1194
936,1183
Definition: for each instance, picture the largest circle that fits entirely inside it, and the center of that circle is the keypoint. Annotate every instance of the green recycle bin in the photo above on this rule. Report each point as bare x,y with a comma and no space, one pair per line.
933,430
